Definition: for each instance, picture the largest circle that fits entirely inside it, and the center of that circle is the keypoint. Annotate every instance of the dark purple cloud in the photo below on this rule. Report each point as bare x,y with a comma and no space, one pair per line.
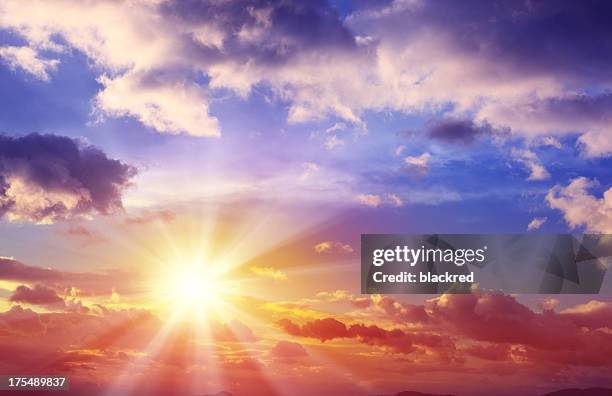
46,178
287,27
582,107
454,130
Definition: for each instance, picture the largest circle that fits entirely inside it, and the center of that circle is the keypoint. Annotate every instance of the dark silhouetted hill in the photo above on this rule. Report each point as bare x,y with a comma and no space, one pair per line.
563,392
582,392
412,393
222,393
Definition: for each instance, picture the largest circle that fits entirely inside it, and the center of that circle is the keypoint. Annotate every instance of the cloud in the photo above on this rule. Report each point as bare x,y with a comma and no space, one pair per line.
500,318
87,236
27,59
333,247
57,333
288,351
493,352
322,329
269,272
536,223
456,130
489,326
400,312
232,331
399,341
395,200
372,200
510,91
420,161
321,64
592,315
87,283
48,178
38,295
310,169
151,74
11,269
548,304
580,208
376,200
587,115
345,296
47,297
333,141
337,295
530,160
550,141
168,106
338,126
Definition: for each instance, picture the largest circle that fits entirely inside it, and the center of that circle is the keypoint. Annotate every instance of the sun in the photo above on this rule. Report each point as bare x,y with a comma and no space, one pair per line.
193,288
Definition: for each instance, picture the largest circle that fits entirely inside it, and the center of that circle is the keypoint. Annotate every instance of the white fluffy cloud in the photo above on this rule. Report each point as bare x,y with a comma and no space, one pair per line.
128,40
169,107
27,59
582,209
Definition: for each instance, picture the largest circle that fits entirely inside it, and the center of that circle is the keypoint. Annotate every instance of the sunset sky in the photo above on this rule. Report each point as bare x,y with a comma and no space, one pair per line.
183,186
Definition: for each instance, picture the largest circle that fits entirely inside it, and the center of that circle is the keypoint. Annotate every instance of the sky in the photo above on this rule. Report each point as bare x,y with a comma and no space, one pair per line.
183,186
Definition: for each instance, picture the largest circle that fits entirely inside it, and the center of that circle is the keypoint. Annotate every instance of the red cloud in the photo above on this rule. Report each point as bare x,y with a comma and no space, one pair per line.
500,318
18,321
492,352
395,339
495,327
322,329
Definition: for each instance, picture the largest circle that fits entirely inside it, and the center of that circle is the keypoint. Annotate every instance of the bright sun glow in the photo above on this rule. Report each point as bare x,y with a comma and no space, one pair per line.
193,288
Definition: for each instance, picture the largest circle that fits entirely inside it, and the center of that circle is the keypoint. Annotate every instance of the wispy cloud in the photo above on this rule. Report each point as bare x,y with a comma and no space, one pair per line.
536,223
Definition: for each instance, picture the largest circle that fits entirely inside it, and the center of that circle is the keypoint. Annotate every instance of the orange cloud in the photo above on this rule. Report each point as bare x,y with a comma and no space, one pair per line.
269,272
333,247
